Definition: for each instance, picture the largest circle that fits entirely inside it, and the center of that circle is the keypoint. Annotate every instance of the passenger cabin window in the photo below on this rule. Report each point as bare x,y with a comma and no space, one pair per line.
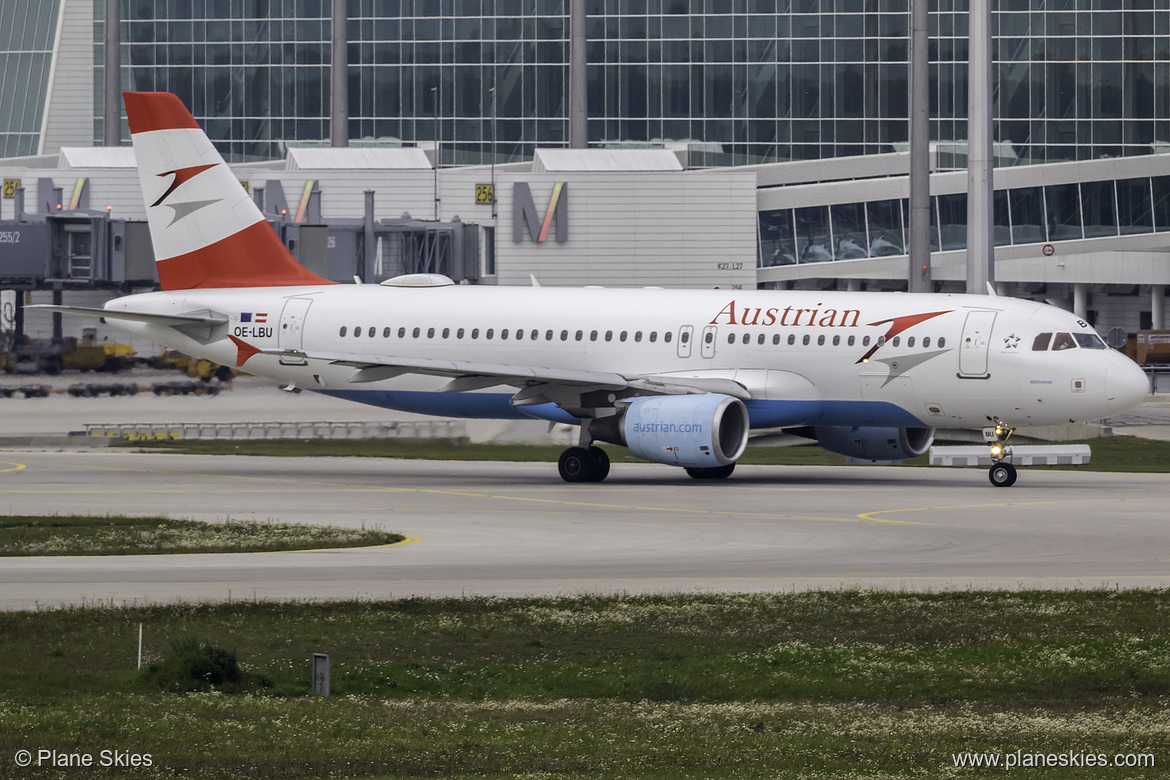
430,333
446,333
667,336
578,335
836,341
548,334
357,331
609,335
760,340
385,333
489,333
343,331
653,336
637,335
942,342
593,335
402,333
459,333
622,337
910,341
926,341
475,333
791,339
1063,341
805,341
534,335
414,333
775,339
685,337
1040,343
730,338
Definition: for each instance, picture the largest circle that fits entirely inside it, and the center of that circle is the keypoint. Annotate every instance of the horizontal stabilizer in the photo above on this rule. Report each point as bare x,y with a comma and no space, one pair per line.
171,320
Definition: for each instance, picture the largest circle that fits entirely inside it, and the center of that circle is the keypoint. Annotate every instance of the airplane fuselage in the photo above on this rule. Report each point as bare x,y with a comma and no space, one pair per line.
804,358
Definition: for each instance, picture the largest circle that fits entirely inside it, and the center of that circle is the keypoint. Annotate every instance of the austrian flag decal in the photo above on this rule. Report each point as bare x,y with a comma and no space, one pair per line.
259,317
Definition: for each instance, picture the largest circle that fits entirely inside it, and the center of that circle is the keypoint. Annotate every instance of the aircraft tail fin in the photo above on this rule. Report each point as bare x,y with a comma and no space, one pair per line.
205,228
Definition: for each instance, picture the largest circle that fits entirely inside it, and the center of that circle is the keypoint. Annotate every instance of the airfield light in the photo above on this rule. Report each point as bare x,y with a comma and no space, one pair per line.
109,209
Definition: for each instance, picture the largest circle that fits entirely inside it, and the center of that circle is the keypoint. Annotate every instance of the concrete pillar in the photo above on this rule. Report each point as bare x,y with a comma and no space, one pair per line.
853,285
365,268
1158,307
112,84
980,165
578,83
1081,300
339,76
918,273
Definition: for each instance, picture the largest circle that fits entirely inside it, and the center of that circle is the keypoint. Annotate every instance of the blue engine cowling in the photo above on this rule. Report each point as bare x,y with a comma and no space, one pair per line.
693,431
875,443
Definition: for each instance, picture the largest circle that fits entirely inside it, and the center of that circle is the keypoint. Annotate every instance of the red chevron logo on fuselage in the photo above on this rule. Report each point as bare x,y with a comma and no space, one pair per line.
897,325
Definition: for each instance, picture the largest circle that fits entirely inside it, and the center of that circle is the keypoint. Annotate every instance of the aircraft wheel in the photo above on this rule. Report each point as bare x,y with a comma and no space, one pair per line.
576,464
1002,475
717,472
600,463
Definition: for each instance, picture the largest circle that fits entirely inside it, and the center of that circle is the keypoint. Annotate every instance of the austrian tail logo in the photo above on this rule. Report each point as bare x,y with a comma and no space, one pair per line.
182,176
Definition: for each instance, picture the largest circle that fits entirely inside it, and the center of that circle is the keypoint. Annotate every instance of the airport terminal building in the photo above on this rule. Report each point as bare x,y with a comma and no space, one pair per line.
749,143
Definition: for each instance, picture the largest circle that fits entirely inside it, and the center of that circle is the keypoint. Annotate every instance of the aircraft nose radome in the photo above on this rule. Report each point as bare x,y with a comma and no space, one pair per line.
1126,385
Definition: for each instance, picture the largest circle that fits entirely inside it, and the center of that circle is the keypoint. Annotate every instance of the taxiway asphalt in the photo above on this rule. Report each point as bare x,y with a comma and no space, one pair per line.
515,529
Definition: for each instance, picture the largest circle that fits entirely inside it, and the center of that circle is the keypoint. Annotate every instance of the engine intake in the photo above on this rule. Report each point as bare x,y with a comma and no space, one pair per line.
693,431
875,443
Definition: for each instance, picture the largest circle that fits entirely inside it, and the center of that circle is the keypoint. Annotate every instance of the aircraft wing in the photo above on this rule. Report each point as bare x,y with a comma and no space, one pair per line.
473,375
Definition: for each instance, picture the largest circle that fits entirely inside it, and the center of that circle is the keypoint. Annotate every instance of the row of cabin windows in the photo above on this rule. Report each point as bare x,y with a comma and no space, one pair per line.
519,334
652,337
850,341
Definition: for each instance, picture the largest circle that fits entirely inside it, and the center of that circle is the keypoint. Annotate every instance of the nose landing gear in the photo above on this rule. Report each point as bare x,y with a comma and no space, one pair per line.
1002,473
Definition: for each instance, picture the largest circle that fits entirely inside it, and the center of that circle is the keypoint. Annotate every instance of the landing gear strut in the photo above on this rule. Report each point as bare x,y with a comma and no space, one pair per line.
1003,473
583,464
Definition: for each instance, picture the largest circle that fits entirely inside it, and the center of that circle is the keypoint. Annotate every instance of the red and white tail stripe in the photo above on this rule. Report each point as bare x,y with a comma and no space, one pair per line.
206,230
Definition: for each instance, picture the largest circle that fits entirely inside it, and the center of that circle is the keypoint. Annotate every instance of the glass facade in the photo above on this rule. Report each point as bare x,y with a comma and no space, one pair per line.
744,80
27,29
1025,215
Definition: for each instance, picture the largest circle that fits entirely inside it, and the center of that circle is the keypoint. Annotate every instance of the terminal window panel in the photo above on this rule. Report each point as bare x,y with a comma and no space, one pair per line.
751,81
1025,215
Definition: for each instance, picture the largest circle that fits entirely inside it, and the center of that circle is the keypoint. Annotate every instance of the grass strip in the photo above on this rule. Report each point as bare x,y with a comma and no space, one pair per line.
22,535
831,685
1113,454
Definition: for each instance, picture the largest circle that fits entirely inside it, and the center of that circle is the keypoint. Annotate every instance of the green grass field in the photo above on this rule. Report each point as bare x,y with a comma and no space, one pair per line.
816,685
1117,453
123,535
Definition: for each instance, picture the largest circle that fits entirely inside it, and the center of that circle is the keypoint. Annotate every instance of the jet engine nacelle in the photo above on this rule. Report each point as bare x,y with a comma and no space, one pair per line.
693,431
875,443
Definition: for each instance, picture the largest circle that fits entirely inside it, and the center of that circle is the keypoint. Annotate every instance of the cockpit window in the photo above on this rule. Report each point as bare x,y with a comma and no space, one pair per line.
1063,341
1041,342
1089,341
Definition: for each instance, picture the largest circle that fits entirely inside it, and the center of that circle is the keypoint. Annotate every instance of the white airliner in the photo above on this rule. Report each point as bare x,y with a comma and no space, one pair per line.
677,376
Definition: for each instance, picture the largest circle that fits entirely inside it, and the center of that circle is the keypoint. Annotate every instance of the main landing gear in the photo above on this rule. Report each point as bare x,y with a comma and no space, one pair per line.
583,464
1003,473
